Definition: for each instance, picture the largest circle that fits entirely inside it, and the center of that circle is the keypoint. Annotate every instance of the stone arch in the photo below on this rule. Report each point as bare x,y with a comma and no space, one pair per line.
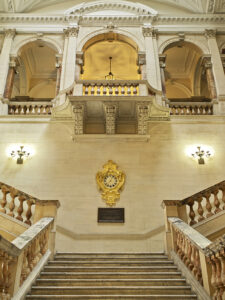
125,33
165,45
50,43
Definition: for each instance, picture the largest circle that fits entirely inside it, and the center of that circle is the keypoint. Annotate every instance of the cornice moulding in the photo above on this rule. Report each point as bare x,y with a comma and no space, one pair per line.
120,19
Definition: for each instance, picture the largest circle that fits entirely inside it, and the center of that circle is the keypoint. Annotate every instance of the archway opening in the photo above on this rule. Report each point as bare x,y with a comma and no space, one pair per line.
122,50
36,71
184,73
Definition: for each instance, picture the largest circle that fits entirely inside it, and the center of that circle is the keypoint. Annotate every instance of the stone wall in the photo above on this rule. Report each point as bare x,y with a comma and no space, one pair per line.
155,170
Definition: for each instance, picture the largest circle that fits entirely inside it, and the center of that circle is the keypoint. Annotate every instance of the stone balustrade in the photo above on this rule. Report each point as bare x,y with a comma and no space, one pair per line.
19,257
199,206
203,258
23,206
30,107
112,88
189,108
216,259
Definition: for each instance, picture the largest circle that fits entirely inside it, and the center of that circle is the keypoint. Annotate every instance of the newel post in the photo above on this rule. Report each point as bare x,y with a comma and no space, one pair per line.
47,208
172,208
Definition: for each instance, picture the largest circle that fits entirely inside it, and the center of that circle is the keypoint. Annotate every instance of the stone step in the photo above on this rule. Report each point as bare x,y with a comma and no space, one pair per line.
109,263
107,255
122,290
112,275
111,282
111,258
110,269
112,297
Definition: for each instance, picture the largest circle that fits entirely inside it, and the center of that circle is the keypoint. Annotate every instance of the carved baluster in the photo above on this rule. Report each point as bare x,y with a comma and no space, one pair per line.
122,90
189,262
222,263
128,89
104,90
200,209
200,110
135,90
194,261
110,89
179,110
13,194
20,208
116,89
29,212
218,281
208,204
198,266
173,110
191,213
5,191
213,274
19,109
222,188
25,268
216,201
47,110
98,91
92,89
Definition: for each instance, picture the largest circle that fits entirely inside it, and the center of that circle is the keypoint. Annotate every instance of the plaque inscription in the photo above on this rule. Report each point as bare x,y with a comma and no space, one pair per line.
110,215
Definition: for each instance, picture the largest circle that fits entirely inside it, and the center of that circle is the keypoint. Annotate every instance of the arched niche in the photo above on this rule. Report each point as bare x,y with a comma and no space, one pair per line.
184,74
36,69
122,49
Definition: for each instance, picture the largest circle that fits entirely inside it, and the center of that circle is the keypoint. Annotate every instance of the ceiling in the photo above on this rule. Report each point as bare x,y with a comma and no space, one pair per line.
162,6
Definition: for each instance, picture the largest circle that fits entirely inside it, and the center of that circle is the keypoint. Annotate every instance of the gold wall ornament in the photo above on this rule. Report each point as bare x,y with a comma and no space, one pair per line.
110,182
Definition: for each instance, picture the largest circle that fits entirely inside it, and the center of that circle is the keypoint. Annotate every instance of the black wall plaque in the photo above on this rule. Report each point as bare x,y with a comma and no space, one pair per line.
110,215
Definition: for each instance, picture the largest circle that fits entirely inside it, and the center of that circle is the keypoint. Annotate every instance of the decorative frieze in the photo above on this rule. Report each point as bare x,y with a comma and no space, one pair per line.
210,33
142,117
78,110
71,32
110,110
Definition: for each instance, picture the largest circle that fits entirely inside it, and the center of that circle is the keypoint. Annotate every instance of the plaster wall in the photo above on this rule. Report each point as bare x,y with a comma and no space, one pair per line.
157,170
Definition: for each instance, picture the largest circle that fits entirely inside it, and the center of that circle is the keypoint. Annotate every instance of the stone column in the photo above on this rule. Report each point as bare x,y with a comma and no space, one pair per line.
4,66
142,117
210,78
152,60
69,58
216,64
142,65
10,78
110,110
162,63
58,66
78,110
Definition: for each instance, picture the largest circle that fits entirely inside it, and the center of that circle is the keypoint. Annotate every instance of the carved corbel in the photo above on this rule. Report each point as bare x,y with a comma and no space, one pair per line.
110,109
210,33
80,60
142,117
71,32
10,33
149,32
79,116
181,36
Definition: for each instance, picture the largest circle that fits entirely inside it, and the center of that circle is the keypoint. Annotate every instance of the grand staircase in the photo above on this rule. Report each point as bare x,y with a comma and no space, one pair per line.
110,276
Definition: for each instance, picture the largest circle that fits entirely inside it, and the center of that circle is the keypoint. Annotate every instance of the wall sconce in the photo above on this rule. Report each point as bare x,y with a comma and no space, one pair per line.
19,154
201,154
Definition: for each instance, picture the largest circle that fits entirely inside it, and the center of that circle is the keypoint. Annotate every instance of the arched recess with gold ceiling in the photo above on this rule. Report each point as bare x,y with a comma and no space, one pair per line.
36,70
184,73
122,49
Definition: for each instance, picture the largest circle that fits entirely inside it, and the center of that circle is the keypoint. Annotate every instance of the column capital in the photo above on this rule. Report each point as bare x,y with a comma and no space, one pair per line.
210,33
162,60
206,61
13,62
58,62
10,33
71,31
148,31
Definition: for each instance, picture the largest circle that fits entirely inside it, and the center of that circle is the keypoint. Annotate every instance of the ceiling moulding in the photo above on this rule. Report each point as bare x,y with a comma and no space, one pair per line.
133,8
101,20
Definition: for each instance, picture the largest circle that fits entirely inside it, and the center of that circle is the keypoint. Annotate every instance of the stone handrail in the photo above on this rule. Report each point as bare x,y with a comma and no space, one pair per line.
25,207
32,107
199,206
113,88
204,259
18,258
190,108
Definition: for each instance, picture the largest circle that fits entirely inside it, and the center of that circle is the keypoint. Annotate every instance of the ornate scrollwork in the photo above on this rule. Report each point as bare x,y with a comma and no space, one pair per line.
110,182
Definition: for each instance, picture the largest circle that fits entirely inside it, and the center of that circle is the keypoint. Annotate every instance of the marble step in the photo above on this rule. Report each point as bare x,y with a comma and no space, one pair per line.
111,255
110,269
112,297
109,263
111,258
121,290
110,282
109,275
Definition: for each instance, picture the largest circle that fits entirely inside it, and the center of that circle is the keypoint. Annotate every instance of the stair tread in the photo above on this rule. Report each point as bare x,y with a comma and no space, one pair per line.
111,287
190,296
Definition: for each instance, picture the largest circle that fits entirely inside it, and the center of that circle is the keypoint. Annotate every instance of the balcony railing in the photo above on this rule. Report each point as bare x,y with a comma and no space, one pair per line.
30,107
112,88
191,106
